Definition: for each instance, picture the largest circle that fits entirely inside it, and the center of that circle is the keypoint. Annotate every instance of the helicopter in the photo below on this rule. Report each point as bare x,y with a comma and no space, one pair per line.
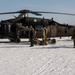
9,28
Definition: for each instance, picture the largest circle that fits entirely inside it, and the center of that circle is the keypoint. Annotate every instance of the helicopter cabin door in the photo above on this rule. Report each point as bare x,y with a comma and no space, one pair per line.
4,30
53,30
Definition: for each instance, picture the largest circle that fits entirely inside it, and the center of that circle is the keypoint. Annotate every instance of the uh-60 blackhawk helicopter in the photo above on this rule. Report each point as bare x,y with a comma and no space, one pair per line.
10,27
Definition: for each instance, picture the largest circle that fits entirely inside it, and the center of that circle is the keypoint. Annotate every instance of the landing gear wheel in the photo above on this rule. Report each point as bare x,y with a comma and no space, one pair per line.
17,40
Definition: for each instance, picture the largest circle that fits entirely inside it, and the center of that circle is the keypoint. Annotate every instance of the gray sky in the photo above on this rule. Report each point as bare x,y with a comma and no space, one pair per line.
67,6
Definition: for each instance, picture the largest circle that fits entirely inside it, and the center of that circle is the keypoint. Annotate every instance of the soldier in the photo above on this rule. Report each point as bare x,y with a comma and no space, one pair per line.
31,35
45,33
74,37
36,41
35,34
44,37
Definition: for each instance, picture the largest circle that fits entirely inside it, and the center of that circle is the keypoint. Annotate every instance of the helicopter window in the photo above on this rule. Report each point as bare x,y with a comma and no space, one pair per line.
35,20
9,27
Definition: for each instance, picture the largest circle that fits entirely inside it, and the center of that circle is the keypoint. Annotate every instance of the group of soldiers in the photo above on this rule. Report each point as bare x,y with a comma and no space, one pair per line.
33,37
31,33
44,36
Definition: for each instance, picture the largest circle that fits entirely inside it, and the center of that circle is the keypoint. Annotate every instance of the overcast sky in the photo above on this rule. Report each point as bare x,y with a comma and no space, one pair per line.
67,6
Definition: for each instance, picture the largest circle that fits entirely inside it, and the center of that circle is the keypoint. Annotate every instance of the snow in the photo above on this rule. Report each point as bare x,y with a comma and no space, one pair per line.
51,59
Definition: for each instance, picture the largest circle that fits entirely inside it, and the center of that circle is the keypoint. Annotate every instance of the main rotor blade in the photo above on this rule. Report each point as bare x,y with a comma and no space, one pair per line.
8,13
56,13
21,11
36,12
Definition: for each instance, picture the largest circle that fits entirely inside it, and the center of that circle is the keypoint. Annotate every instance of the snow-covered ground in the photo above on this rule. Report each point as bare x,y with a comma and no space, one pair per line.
52,59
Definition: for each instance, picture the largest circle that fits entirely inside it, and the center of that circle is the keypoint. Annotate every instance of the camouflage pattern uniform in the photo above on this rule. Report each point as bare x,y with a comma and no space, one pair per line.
43,34
74,37
36,41
44,41
35,32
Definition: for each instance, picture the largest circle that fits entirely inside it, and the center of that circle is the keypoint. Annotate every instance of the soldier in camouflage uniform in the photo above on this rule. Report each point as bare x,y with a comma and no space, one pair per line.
74,37
43,34
44,37
31,35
